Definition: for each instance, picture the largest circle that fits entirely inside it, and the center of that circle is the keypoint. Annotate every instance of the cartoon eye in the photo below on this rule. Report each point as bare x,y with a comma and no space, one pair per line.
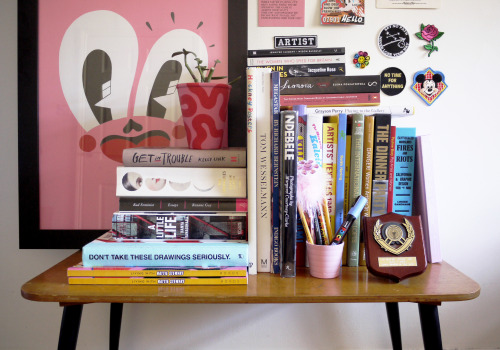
156,95
100,50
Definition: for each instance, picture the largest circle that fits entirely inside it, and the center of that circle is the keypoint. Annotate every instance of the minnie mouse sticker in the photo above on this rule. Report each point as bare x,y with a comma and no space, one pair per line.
429,85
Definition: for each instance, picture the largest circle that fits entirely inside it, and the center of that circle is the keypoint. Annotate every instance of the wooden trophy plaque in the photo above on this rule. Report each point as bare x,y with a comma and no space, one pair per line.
394,246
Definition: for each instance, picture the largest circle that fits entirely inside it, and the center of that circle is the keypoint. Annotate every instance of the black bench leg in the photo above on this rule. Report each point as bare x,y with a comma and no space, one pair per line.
394,325
115,324
70,326
431,330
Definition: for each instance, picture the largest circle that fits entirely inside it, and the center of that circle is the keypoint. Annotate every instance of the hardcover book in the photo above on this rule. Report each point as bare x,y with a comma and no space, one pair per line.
176,204
368,163
123,271
288,193
164,225
381,149
275,165
404,170
355,186
193,281
313,51
109,251
308,70
333,99
294,60
424,202
232,157
177,182
338,84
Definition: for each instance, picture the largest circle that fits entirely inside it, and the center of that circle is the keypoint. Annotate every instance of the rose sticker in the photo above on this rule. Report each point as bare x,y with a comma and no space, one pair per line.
430,34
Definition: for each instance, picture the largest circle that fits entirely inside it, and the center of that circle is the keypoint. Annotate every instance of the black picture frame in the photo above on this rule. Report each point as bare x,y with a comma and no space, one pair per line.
31,236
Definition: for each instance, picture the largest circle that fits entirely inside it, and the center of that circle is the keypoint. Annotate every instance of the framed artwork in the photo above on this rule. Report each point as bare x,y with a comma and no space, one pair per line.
95,77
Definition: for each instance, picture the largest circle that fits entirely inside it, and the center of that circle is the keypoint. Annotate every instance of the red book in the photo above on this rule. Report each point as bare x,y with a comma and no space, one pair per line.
351,99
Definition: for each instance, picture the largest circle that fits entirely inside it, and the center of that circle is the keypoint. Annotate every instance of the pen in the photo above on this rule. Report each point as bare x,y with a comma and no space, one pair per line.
352,215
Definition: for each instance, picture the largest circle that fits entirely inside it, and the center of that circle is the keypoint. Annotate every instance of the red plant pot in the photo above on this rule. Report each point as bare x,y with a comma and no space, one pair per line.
204,112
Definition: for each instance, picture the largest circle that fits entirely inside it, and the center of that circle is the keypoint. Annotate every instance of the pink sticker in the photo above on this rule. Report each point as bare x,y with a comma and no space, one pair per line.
281,13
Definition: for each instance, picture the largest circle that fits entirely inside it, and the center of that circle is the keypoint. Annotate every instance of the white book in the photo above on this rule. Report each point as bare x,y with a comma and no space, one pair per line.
286,60
264,214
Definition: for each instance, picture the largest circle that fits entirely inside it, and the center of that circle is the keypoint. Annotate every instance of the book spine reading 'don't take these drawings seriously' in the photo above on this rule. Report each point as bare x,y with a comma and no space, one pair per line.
122,271
176,204
195,281
177,182
288,193
108,251
232,157
165,225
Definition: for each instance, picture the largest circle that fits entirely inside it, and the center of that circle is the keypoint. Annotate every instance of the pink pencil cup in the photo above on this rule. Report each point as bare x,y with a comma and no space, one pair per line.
324,260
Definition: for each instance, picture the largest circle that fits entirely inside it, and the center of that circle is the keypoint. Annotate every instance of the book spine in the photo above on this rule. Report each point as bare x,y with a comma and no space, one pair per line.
338,84
182,157
120,271
204,281
163,225
293,60
425,203
317,51
381,144
264,229
336,99
341,172
347,178
308,70
379,197
368,163
177,182
394,111
330,139
314,138
390,176
252,102
355,186
153,254
404,166
182,205
300,252
288,198
275,78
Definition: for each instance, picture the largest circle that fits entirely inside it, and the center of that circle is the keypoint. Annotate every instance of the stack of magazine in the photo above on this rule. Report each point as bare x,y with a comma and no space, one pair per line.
182,219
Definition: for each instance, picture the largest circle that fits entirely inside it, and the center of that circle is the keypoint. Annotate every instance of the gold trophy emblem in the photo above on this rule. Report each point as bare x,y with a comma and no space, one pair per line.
393,238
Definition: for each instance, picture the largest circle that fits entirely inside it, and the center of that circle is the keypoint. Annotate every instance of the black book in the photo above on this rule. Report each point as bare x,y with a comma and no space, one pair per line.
288,192
336,84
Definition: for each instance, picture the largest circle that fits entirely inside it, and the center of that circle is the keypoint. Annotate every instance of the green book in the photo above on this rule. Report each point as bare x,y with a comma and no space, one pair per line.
355,184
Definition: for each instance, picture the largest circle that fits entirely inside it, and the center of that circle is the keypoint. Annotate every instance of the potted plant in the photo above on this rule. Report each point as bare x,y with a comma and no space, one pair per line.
204,105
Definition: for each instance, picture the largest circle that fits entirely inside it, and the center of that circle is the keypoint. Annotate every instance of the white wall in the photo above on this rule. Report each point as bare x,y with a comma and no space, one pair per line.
465,125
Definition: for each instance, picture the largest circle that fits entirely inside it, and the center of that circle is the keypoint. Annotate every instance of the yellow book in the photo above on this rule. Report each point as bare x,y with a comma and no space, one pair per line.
366,189
330,140
346,188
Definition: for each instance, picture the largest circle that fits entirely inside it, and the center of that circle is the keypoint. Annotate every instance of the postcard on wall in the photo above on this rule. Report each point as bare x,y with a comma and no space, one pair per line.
401,4
281,13
342,12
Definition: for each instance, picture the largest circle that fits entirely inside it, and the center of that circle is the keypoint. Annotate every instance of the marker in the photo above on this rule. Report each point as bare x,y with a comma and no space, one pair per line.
352,215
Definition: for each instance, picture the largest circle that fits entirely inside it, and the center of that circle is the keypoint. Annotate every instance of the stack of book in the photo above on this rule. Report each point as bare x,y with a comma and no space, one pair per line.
182,219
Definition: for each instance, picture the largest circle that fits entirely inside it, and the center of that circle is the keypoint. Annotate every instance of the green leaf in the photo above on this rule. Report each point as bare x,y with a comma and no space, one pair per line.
428,47
419,35
422,26
440,34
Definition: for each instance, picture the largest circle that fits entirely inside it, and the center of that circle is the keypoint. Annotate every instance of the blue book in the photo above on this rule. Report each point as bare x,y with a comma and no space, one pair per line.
275,168
404,165
108,251
341,165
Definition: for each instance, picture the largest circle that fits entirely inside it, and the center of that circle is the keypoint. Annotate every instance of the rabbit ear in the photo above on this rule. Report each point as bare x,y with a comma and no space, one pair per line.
156,92
97,63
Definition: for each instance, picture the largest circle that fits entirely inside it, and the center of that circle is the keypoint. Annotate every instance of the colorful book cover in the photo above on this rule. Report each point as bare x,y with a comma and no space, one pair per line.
123,271
252,103
404,171
347,177
109,251
355,186
264,172
165,225
341,171
308,70
390,183
338,84
424,202
288,198
334,12
177,204
192,281
185,157
330,141
333,99
275,165
177,182
314,139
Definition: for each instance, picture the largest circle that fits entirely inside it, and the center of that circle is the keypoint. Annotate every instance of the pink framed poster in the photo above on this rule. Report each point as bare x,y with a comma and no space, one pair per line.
96,77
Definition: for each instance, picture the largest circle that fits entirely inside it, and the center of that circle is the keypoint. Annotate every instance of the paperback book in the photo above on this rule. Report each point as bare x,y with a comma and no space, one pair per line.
192,281
109,251
176,204
404,171
313,51
165,225
308,70
338,84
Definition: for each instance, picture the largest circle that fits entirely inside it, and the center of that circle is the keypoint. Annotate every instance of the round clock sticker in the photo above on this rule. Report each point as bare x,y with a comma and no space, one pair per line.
393,40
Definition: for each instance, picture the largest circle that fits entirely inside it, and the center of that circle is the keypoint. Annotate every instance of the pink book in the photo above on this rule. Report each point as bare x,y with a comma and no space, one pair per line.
390,177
